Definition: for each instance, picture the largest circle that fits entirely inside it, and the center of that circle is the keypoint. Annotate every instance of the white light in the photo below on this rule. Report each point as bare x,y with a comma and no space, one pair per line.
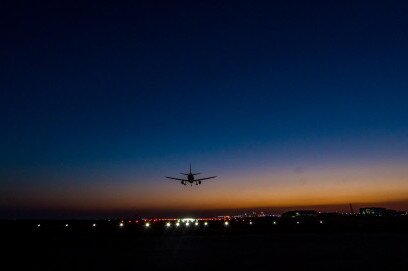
177,224
66,225
168,224
226,223
250,222
121,225
321,222
94,225
297,222
274,222
187,219
38,225
205,223
196,224
187,224
147,224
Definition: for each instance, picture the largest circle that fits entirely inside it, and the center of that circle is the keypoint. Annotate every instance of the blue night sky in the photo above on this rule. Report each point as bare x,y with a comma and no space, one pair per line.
290,103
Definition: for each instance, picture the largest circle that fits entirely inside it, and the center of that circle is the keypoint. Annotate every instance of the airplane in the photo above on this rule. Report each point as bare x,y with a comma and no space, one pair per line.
190,178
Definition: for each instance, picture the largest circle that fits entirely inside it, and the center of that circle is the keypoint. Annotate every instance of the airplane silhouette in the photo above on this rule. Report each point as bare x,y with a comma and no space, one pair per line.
190,178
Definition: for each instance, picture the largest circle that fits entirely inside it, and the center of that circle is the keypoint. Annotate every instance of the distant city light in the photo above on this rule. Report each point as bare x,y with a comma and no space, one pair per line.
121,224
226,223
177,224
250,222
93,225
147,224
274,222
168,224
205,223
187,224
38,225
297,222
66,225
196,223
321,222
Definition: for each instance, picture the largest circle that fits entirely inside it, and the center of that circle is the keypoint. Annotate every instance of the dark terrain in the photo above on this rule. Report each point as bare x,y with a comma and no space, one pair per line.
336,244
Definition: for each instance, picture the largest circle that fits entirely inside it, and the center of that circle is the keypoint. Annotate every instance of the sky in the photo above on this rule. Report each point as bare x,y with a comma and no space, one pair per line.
292,104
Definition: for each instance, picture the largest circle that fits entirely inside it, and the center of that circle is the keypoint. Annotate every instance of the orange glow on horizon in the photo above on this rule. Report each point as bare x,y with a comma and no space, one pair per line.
315,186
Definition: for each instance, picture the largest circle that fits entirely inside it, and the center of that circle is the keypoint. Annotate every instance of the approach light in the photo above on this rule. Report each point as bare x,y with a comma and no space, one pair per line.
147,224
187,219
177,224
250,222
321,222
274,222
196,223
297,222
187,224
66,225
226,223
168,224
121,224
93,225
206,223
38,225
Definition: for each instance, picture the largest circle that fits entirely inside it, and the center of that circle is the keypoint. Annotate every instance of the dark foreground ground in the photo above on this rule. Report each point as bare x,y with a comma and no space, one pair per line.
332,245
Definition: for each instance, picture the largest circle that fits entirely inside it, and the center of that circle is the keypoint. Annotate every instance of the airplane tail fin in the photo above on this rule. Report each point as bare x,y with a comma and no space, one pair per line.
190,168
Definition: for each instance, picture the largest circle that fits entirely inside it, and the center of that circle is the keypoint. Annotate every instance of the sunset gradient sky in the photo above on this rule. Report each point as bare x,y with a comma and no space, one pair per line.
293,104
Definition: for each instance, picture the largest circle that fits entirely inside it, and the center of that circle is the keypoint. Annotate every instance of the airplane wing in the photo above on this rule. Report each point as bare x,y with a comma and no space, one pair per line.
205,178
175,179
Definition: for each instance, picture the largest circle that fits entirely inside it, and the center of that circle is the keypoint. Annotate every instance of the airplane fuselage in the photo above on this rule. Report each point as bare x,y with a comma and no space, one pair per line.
190,179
